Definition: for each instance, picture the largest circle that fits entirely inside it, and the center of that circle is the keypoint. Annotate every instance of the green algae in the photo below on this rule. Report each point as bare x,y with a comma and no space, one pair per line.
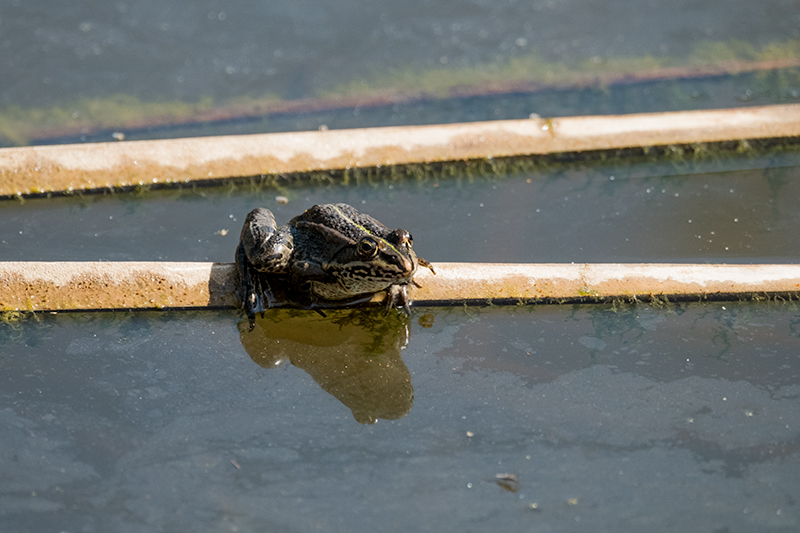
535,69
18,125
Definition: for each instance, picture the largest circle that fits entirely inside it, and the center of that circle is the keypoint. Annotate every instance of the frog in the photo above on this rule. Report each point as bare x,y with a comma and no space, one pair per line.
331,255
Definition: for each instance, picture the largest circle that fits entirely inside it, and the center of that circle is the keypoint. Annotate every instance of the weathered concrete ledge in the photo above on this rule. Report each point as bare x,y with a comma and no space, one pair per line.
69,168
63,286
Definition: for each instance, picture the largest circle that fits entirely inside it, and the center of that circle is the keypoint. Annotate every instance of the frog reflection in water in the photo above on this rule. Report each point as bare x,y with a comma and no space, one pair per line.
330,256
352,354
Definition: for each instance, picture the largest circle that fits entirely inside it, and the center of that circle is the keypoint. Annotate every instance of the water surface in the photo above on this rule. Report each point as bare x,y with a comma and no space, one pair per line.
550,418
682,416
679,417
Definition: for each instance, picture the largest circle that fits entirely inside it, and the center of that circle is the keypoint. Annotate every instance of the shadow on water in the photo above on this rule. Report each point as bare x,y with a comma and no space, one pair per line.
354,355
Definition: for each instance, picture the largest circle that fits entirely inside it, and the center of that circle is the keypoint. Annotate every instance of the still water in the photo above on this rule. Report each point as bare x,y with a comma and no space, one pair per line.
550,418
682,416
56,52
81,71
732,211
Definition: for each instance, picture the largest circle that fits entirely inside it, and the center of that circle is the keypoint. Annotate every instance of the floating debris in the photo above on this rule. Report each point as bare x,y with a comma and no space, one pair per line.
507,482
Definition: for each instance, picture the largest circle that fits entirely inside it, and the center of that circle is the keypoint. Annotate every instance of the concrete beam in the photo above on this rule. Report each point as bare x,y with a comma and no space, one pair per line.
96,166
63,286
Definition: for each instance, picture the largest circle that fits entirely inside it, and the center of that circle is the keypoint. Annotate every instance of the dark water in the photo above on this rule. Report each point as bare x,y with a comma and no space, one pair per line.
680,417
654,212
683,417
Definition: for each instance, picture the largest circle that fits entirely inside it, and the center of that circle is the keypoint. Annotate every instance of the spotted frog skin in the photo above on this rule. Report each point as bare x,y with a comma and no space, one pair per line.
331,255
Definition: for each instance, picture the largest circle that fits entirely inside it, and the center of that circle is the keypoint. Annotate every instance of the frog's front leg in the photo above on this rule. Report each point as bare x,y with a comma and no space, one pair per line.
308,271
302,276
397,296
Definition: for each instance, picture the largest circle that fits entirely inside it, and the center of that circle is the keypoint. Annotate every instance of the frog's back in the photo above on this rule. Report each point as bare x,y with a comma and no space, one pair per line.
345,219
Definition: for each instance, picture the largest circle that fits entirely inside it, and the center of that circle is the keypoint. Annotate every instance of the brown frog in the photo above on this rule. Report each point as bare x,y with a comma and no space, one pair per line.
330,256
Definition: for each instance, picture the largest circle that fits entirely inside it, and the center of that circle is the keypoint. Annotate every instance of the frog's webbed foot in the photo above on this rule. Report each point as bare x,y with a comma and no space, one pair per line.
426,264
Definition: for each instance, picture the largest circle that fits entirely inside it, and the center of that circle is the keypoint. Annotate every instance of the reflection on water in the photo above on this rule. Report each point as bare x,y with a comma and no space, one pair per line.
352,354
678,416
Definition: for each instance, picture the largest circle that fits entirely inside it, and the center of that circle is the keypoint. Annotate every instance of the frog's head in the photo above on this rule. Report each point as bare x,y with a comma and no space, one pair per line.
391,254
375,259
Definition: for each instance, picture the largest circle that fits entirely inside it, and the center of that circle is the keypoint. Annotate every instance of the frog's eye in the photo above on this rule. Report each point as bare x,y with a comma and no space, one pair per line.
367,248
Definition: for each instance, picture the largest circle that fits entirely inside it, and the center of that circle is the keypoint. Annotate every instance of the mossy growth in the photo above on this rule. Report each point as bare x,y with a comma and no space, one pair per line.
14,317
587,291
18,124
443,81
